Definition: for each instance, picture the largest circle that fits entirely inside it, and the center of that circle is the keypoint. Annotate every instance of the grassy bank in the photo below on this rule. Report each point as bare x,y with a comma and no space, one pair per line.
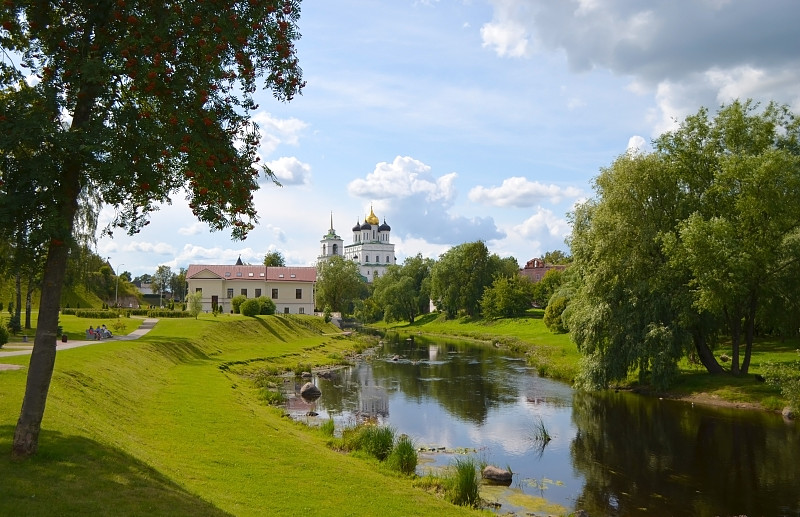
555,356
162,426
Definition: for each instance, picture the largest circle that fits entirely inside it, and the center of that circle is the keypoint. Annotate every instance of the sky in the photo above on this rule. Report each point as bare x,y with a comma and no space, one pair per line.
465,120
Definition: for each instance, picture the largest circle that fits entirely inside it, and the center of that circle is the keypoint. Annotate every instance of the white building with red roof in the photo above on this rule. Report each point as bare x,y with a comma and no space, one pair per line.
291,288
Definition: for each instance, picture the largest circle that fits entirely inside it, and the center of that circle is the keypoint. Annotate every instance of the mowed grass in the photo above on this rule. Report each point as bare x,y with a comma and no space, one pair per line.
161,426
553,355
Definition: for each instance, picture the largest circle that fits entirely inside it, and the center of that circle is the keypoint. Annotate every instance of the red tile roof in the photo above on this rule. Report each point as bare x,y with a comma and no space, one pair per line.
262,273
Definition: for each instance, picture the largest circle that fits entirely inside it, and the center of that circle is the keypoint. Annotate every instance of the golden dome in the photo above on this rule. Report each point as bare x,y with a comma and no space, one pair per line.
372,219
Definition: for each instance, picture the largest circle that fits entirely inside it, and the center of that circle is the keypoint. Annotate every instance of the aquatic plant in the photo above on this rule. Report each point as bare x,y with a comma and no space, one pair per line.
327,427
462,487
403,457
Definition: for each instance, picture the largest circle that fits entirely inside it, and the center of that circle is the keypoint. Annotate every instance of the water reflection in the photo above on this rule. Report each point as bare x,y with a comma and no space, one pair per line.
642,456
611,453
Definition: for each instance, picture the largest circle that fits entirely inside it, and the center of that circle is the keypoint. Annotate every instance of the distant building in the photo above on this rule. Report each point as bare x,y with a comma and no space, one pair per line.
371,249
291,288
535,269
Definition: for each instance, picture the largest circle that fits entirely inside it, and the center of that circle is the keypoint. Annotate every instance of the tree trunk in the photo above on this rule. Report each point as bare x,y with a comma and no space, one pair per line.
28,295
750,325
18,295
705,354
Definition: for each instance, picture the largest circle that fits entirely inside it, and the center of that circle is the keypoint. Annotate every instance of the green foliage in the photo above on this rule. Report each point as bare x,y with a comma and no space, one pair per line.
461,274
195,303
92,313
685,243
544,289
3,335
552,314
339,284
236,302
274,259
14,326
403,457
507,297
786,377
267,306
403,292
250,307
165,313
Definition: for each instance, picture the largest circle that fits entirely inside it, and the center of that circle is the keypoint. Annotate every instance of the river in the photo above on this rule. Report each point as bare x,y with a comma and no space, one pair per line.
609,453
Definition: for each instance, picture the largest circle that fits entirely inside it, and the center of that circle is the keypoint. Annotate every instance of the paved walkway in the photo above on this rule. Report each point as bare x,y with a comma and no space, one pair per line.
22,349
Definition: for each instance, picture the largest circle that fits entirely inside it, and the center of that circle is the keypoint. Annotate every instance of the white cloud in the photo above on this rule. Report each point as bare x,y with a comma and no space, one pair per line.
544,222
158,248
637,144
520,192
275,131
193,229
404,177
289,170
507,38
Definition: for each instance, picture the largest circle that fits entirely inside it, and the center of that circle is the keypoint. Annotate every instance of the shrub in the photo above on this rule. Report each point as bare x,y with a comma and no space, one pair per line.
14,325
3,336
165,313
250,307
786,377
236,302
403,457
267,305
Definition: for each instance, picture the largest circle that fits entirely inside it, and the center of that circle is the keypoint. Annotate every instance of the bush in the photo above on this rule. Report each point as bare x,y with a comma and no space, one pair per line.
14,325
94,313
267,305
164,313
786,377
250,307
236,303
403,457
3,336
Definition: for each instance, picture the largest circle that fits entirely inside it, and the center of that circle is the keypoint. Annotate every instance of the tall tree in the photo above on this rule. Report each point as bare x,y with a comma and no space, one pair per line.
462,273
679,244
404,291
339,284
274,259
130,102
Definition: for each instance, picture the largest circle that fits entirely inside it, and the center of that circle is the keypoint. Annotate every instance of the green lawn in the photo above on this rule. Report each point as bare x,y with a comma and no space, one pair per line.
160,426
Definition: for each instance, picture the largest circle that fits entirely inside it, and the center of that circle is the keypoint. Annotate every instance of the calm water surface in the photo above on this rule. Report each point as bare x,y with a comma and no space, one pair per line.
610,453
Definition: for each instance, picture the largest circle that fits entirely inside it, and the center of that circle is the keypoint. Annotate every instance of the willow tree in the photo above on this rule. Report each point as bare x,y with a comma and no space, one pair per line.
682,245
130,102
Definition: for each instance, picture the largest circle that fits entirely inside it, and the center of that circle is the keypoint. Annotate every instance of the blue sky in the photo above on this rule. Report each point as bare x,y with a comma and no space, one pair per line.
459,120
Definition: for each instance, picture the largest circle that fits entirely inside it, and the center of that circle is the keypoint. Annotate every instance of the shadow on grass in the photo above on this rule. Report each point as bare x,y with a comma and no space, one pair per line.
269,328
72,475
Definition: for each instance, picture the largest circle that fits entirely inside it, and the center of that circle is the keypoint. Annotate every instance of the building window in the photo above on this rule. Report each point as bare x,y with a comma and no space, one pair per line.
274,294
286,310
239,274
302,310
387,259
230,292
324,249
335,249
366,258
258,293
298,294
244,292
199,290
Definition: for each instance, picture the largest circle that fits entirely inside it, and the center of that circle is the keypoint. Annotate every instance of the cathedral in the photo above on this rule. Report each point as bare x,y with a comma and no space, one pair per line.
371,248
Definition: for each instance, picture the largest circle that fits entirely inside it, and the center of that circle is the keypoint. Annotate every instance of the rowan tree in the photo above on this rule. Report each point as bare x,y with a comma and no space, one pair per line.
127,103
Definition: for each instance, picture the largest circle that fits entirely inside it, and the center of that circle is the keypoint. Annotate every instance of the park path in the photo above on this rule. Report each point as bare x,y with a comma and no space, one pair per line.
21,349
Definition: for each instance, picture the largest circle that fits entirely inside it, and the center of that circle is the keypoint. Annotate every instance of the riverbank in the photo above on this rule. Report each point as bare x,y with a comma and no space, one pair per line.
556,357
162,426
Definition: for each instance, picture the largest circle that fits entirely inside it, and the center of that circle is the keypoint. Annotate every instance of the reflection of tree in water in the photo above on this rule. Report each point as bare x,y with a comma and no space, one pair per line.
644,457
465,380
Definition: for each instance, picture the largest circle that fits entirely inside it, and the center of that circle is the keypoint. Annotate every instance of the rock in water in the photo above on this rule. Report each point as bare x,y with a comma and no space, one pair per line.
496,475
310,392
